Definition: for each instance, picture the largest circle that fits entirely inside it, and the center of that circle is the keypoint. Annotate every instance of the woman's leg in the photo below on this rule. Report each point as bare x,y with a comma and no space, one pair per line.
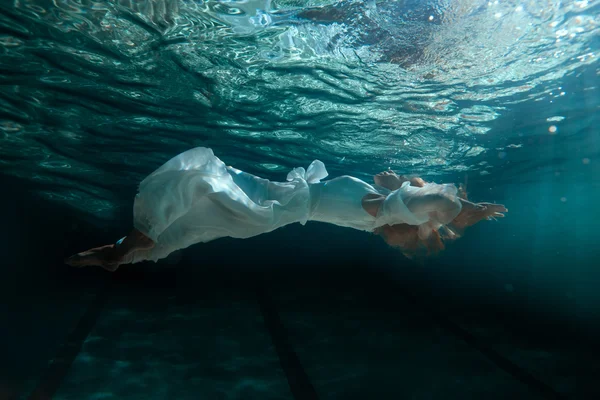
104,256
136,240
111,256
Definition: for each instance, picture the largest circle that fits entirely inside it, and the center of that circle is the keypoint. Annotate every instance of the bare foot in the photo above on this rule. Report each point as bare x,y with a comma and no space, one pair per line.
105,257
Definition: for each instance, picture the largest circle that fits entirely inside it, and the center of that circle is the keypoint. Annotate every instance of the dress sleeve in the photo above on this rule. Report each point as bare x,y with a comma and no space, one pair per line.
394,210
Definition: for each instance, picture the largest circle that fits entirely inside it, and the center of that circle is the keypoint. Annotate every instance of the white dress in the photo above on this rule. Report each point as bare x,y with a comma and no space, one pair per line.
195,198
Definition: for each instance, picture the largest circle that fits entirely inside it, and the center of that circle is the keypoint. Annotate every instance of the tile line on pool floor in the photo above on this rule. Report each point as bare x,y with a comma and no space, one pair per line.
61,363
298,380
58,368
496,358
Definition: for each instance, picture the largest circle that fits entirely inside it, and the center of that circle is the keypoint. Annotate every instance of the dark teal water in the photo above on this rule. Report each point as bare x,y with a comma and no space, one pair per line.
502,95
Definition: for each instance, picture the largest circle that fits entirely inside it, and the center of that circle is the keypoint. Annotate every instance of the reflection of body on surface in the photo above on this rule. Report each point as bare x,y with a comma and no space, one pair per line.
195,198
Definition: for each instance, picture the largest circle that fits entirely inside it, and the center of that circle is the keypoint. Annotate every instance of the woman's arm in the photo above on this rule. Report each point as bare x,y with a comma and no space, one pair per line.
372,202
471,212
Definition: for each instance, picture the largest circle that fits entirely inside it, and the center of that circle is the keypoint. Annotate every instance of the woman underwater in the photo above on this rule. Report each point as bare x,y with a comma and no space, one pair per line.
195,198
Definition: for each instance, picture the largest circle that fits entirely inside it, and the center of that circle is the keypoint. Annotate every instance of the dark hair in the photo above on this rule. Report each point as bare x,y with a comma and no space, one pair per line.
406,238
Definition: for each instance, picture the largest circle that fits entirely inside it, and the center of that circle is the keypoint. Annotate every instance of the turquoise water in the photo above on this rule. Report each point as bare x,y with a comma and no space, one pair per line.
106,91
500,95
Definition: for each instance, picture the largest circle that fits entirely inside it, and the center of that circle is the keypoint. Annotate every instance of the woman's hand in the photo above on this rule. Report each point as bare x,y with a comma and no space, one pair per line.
472,213
493,211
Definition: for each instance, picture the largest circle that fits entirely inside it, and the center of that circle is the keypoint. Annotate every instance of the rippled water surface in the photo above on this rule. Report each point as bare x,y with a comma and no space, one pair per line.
96,94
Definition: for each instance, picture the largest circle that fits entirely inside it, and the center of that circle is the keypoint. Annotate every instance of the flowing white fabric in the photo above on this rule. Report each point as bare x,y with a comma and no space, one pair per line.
195,198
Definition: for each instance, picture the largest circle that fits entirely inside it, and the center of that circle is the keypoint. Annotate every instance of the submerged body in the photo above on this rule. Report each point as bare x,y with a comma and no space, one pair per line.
195,198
